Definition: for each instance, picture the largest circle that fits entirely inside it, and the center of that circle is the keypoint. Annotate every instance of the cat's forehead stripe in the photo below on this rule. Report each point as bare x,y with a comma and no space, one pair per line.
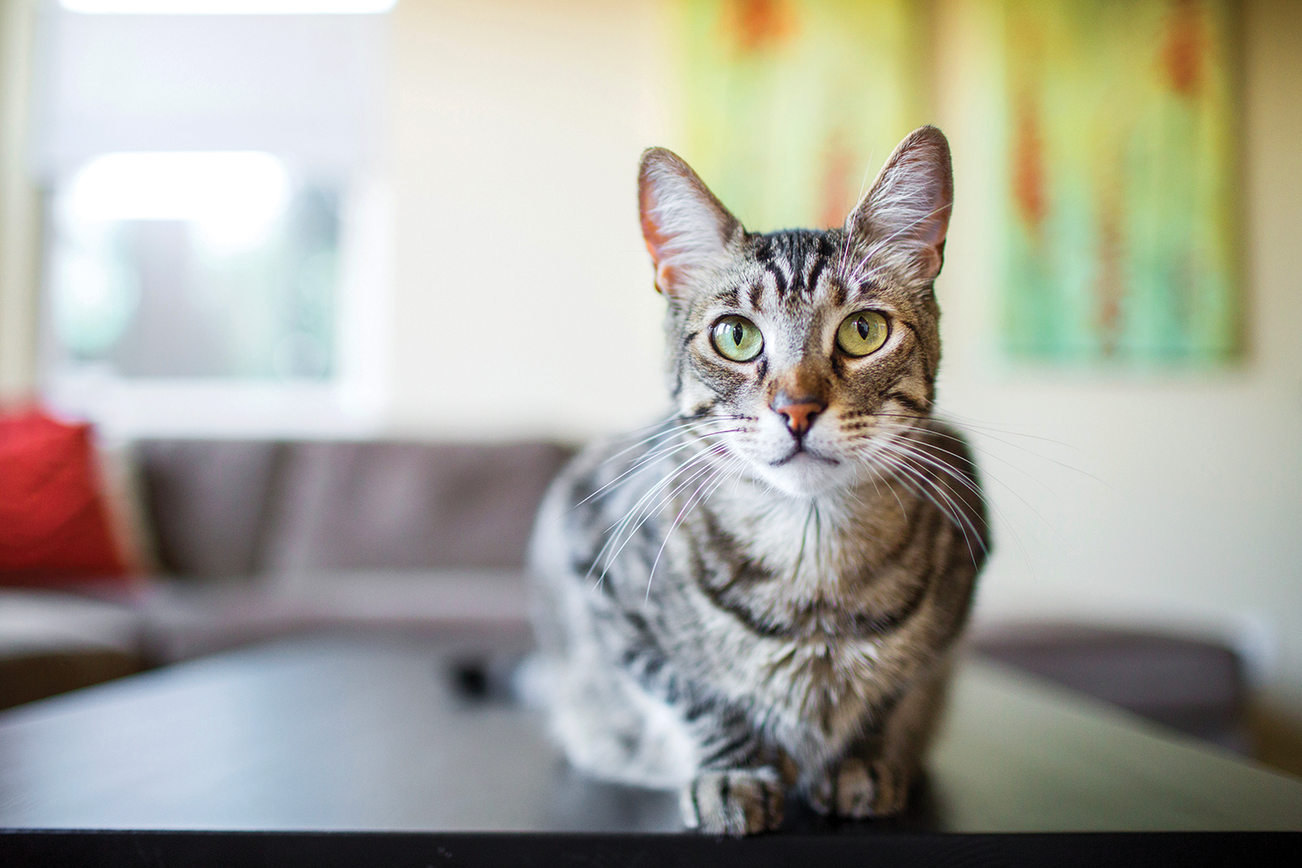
779,279
838,292
797,260
815,272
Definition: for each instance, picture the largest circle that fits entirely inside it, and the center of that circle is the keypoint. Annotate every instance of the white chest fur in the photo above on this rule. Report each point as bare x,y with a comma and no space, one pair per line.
815,692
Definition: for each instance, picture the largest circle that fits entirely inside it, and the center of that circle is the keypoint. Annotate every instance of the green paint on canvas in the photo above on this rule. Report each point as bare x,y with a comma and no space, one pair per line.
1122,230
790,101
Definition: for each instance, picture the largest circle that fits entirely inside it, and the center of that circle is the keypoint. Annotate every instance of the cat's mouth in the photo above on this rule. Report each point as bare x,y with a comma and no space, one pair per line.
799,450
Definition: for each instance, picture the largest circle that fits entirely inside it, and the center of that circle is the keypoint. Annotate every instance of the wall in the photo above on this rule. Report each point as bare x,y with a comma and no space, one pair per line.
524,302
524,306
19,215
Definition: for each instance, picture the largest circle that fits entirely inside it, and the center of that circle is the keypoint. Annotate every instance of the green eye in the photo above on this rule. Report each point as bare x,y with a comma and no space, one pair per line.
737,338
862,333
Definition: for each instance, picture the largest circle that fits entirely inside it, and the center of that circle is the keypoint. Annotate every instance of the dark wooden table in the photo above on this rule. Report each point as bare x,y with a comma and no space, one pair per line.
347,751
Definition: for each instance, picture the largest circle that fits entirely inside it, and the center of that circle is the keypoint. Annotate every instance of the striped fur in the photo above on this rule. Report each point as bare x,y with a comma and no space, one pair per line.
738,609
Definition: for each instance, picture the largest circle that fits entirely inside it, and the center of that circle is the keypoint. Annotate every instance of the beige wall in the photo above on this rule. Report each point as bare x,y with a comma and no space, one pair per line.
524,306
19,216
524,303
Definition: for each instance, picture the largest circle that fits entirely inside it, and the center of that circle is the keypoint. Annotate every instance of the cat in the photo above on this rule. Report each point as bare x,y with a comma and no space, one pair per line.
762,593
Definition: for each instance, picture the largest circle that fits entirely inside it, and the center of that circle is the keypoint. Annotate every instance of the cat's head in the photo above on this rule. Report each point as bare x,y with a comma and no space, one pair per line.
804,354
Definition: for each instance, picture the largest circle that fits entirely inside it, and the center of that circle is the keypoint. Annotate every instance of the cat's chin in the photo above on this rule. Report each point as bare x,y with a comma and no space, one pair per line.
806,476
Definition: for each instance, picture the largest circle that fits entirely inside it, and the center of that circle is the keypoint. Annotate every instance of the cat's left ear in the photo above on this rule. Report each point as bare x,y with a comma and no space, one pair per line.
687,230
901,222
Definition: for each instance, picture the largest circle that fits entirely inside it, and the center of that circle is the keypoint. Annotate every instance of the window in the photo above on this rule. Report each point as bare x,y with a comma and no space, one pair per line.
215,258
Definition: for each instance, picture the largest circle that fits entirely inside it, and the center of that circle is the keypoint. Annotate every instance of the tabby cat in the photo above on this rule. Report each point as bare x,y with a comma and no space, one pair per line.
762,593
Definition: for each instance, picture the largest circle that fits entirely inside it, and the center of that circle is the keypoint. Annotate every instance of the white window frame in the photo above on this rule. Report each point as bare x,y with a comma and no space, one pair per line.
352,402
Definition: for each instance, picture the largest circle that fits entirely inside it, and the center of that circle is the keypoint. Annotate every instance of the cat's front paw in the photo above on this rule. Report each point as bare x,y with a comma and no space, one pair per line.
859,790
734,801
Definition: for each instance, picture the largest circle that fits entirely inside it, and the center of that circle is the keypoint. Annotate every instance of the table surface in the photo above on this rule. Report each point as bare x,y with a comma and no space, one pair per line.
340,733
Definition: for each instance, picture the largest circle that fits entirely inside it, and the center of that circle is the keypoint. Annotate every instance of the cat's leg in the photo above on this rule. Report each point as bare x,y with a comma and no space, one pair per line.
873,778
612,729
740,786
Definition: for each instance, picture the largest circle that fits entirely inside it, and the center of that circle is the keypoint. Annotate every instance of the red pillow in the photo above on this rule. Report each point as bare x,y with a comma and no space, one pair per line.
53,519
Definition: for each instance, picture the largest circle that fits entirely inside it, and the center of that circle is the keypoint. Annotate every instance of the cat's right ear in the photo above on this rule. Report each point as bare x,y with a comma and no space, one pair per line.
686,227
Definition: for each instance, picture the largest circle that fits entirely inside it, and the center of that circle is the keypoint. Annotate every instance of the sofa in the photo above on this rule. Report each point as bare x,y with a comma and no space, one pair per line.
246,541
242,541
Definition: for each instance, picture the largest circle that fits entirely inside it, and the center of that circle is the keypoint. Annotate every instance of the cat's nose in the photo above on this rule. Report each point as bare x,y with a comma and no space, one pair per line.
798,411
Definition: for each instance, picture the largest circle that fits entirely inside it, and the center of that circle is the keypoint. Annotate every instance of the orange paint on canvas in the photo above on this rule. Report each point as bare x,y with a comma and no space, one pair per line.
1028,164
761,25
1182,50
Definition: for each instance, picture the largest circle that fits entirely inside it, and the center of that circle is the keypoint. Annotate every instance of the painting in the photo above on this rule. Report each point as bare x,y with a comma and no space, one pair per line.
1121,221
789,102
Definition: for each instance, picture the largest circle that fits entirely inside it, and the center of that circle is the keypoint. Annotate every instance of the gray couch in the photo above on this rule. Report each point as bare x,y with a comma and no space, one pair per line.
257,540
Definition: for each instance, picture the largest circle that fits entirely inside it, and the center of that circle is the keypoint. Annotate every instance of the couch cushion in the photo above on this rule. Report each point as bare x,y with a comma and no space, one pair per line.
1190,684
184,620
207,502
407,506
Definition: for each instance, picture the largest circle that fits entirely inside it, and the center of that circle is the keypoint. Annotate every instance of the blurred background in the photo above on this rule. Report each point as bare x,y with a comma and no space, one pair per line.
417,221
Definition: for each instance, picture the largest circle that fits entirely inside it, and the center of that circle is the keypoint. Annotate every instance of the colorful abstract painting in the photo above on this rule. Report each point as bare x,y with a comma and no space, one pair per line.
789,102
1122,194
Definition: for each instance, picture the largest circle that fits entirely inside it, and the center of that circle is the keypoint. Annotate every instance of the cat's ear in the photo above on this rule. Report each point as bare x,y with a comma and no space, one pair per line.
686,227
900,224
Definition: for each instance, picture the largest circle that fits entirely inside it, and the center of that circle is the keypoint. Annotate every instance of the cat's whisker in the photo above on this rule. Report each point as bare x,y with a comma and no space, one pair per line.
873,477
990,505
939,484
907,442
874,432
966,423
639,513
941,477
904,442
652,455
639,467
646,514
983,431
678,428
924,488
668,428
943,473
986,424
1011,528
615,530
692,501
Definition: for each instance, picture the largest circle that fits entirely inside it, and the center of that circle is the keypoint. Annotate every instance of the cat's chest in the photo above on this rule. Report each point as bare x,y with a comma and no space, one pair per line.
805,573
811,694
801,608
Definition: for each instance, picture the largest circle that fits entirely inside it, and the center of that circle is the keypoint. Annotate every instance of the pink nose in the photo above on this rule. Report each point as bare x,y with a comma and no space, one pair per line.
799,412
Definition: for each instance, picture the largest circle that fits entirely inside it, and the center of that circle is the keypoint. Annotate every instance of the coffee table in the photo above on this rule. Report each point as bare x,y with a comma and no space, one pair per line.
356,750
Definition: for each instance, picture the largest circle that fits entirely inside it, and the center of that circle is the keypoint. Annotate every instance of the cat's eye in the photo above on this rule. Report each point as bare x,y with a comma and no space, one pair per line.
737,338
862,333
